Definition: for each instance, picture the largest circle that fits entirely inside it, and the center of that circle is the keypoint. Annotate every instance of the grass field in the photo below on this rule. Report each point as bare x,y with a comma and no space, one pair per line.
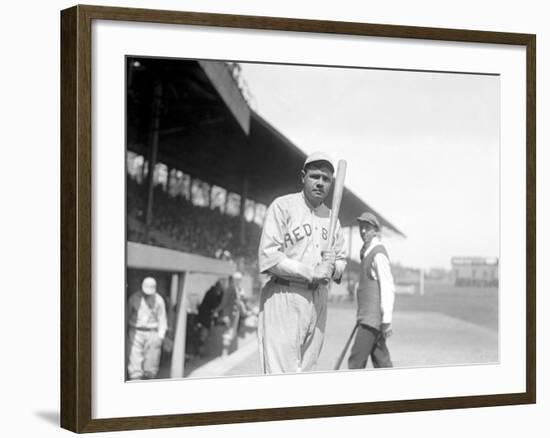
476,305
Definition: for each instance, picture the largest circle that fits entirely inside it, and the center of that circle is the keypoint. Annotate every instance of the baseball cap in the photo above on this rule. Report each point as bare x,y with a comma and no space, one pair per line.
149,286
319,156
370,218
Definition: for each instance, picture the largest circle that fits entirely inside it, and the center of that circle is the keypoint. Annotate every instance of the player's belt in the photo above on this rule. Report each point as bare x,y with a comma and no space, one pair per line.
146,329
283,282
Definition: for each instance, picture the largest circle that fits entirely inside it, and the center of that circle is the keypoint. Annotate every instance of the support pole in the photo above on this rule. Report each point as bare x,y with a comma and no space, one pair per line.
244,195
180,330
350,241
153,147
350,247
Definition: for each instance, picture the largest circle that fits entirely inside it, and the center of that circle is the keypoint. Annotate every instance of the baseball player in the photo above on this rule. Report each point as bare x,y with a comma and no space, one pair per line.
295,252
375,298
147,326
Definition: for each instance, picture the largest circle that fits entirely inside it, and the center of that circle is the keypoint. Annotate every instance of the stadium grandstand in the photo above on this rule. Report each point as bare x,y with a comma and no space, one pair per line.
216,164
475,271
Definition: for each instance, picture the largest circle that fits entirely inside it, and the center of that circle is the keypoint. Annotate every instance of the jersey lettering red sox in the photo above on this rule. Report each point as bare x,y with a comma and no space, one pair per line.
293,229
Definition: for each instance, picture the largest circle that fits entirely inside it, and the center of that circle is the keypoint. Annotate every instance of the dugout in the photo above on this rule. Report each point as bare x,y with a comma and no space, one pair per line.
194,117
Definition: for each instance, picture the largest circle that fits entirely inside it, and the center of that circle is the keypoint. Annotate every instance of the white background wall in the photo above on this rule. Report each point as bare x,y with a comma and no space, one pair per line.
29,81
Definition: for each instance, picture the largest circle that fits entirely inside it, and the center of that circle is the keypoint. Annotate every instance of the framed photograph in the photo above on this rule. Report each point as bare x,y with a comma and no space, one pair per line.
269,218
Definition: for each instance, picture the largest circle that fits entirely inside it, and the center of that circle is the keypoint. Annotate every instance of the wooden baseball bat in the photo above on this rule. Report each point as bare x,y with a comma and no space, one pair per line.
336,199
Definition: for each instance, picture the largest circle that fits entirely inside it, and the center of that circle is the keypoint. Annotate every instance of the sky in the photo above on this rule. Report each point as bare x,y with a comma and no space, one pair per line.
422,148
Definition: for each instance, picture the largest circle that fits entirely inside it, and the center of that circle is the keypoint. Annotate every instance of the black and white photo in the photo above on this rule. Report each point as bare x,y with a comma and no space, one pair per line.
230,172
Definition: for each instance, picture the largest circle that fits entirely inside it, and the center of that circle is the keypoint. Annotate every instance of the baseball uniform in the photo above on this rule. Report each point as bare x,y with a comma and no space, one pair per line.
375,299
147,326
293,310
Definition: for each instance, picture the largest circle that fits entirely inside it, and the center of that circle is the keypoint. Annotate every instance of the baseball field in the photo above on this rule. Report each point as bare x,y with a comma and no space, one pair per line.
445,326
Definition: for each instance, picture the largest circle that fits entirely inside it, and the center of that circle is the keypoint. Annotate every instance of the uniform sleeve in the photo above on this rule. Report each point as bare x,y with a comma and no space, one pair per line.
341,254
387,287
288,268
161,315
270,251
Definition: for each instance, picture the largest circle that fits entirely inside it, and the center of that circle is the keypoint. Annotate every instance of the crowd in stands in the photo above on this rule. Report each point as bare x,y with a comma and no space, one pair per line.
179,224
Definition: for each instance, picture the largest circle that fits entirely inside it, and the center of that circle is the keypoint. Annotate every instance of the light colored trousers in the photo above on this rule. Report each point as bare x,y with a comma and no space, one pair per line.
144,354
291,327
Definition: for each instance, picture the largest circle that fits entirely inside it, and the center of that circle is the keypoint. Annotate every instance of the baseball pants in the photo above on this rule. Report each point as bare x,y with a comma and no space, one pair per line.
291,327
144,354
369,342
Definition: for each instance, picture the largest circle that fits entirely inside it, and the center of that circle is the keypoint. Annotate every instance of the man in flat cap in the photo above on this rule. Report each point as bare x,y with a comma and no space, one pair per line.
295,252
375,298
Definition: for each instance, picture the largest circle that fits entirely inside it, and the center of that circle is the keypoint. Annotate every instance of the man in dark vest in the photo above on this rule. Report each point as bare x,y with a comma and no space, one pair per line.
375,298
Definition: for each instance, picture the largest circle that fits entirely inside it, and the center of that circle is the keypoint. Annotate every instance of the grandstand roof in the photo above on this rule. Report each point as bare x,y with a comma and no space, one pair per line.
200,135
